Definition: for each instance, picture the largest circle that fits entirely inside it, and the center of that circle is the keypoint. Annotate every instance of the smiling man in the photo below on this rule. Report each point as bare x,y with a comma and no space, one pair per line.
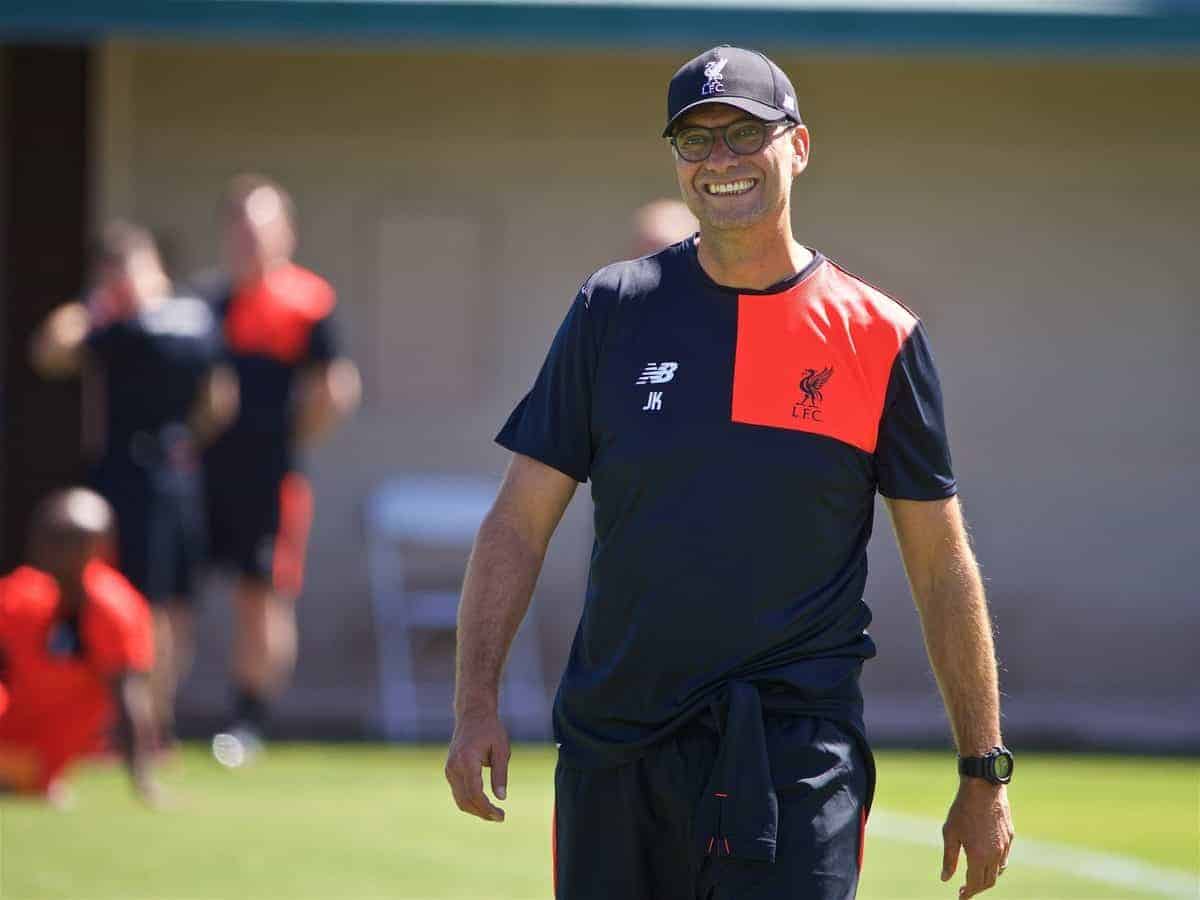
736,401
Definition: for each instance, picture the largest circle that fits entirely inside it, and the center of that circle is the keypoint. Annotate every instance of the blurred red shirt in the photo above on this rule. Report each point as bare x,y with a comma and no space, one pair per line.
58,682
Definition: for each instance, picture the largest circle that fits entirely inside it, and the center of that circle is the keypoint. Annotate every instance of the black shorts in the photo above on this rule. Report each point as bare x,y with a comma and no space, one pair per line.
634,831
161,540
258,524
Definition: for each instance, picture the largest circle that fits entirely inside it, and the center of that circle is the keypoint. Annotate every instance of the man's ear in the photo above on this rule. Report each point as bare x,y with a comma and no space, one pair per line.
802,145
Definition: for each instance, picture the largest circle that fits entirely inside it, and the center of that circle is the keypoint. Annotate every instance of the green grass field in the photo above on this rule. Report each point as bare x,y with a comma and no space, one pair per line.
369,822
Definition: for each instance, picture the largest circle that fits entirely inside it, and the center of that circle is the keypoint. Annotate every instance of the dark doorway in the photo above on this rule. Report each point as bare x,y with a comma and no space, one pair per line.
44,197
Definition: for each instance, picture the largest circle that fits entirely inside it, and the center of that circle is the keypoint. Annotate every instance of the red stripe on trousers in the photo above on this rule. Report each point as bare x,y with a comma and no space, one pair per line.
291,541
862,837
554,848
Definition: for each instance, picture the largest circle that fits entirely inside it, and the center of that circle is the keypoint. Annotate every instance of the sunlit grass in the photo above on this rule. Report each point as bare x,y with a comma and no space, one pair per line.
368,822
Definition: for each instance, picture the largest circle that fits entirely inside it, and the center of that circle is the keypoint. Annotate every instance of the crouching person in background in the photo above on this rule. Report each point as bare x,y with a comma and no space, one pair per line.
76,647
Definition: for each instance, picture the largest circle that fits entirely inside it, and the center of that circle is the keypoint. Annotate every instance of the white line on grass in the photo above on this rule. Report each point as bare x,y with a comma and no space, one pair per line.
1110,868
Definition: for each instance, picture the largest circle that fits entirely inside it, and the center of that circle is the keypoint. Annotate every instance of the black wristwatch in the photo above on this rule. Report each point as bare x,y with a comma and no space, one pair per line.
995,766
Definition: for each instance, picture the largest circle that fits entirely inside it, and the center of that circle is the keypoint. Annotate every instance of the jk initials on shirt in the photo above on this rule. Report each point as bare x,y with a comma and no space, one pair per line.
653,402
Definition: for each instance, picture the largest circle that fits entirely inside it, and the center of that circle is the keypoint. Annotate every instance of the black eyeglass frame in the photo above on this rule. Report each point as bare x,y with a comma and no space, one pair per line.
724,131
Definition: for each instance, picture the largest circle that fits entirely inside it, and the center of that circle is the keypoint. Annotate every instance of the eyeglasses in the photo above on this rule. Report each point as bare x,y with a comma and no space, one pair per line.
744,137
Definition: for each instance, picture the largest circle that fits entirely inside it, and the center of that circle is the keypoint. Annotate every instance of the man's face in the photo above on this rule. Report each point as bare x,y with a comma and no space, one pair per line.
67,559
729,191
259,234
116,285
127,281
120,280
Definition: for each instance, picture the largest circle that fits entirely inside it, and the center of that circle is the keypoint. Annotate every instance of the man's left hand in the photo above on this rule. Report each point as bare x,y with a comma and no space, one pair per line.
980,823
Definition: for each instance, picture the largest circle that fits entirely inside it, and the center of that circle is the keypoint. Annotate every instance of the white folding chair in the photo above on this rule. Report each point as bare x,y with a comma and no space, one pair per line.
419,531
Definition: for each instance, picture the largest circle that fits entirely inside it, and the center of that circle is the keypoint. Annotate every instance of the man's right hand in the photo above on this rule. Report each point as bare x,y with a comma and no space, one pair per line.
501,573
55,350
149,791
479,740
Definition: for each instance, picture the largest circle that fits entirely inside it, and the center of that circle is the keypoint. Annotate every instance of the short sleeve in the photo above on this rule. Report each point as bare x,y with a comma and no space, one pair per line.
912,455
212,348
322,341
193,324
552,423
119,632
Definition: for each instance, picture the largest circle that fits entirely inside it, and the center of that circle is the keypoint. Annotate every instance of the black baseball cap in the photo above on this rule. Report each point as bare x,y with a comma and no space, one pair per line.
736,77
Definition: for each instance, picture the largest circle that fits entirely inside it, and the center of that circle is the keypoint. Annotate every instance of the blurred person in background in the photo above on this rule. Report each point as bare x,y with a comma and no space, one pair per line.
277,321
736,400
164,395
659,224
76,647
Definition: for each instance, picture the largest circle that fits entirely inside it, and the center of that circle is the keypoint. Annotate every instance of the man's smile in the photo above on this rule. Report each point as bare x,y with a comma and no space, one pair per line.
730,188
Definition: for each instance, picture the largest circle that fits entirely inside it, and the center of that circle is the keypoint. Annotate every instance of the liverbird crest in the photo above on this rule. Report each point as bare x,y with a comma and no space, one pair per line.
811,385
712,70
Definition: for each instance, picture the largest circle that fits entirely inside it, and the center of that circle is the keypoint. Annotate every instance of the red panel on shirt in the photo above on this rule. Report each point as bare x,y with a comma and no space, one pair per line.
274,315
61,706
817,357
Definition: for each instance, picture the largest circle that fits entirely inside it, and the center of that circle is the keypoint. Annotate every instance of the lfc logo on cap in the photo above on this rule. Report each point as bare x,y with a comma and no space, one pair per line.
716,80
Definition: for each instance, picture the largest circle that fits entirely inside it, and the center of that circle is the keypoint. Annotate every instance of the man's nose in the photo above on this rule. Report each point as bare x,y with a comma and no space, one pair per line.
721,157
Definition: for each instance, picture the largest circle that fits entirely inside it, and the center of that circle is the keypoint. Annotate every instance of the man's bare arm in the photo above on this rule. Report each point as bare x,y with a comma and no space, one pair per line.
949,595
948,592
326,395
501,574
135,732
216,405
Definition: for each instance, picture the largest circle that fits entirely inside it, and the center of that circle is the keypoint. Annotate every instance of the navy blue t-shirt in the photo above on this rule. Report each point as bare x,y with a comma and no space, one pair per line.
735,440
154,364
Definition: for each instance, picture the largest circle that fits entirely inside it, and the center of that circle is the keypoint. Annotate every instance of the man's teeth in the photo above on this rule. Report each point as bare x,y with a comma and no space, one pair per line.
731,187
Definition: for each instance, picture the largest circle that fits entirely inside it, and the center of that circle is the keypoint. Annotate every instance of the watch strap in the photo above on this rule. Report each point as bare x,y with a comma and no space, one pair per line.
974,766
985,766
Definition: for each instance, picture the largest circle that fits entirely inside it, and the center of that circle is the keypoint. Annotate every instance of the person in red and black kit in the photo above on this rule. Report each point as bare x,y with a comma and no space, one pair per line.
76,648
295,386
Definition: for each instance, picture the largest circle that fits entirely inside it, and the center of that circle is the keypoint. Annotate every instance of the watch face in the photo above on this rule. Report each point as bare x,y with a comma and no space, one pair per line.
1002,766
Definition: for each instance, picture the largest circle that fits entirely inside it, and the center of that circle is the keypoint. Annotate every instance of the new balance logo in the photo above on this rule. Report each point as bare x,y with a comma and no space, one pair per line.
657,373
